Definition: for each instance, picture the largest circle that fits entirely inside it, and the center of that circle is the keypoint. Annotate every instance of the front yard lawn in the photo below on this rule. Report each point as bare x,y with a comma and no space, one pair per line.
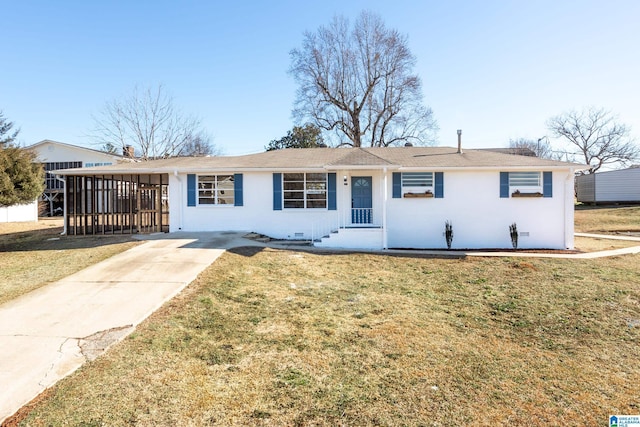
34,254
607,219
270,337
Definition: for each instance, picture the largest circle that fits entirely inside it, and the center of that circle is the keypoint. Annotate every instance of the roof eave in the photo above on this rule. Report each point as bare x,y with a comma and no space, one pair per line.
361,167
494,168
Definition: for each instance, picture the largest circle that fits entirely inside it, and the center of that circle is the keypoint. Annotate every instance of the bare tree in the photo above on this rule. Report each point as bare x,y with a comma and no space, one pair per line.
596,137
199,145
540,147
147,120
357,81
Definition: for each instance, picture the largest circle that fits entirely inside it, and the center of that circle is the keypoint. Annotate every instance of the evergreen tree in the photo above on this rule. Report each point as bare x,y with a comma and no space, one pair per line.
308,136
21,179
6,137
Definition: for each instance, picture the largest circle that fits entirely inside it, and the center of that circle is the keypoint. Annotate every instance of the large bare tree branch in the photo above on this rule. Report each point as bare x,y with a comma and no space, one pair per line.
149,121
357,82
595,138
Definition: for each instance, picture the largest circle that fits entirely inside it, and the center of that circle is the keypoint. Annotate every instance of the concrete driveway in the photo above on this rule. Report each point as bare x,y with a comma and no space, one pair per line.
49,333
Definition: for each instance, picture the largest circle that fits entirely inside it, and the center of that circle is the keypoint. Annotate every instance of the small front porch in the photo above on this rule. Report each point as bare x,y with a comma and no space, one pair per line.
360,223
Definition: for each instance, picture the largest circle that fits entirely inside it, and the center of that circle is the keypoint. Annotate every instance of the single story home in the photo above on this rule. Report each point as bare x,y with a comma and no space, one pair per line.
620,186
377,198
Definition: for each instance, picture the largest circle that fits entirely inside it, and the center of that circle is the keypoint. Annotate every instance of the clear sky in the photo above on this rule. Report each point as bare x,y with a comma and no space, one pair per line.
497,69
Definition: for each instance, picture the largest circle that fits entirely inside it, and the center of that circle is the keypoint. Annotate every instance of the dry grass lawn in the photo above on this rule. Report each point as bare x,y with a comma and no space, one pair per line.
291,338
590,219
33,254
591,244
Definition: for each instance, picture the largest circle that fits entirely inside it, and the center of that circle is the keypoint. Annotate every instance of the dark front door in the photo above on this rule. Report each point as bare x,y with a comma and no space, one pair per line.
361,200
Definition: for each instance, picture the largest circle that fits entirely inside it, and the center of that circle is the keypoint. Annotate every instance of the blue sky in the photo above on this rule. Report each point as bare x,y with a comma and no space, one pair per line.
496,69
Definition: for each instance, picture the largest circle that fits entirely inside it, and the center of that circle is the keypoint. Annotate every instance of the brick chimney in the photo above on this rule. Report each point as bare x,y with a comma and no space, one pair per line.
129,151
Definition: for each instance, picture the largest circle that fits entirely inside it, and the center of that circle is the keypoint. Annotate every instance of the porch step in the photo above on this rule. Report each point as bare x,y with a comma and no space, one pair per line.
353,238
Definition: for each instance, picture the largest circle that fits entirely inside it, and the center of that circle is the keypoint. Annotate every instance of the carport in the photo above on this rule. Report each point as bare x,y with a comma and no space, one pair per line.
116,204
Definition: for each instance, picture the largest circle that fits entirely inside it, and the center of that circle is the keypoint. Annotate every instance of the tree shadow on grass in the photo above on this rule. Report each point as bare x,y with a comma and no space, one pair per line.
51,240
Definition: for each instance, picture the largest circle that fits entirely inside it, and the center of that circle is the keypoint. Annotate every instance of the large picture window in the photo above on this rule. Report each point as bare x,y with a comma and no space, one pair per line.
304,190
215,190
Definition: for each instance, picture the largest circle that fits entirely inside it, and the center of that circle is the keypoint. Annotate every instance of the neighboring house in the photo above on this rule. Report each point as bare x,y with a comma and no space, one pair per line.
621,186
58,155
375,198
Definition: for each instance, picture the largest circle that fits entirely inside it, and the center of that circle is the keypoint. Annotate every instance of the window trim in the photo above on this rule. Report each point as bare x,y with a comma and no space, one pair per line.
524,186
407,190
524,179
215,190
306,191
524,189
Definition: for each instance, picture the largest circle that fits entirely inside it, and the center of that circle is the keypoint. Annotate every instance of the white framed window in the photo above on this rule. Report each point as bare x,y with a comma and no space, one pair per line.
525,184
417,179
215,190
525,179
304,190
417,184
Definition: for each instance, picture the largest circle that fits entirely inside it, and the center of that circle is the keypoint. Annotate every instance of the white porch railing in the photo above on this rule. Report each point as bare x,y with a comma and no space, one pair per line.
361,216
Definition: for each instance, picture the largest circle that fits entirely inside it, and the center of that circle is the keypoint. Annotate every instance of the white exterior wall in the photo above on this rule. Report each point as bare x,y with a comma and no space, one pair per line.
19,213
256,215
471,202
50,152
480,218
618,186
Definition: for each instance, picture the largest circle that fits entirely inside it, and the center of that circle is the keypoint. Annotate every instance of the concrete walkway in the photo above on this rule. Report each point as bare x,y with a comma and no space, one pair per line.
47,334
586,255
514,254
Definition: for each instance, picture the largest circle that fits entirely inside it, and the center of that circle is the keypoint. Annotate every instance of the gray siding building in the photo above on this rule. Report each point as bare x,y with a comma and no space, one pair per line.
609,187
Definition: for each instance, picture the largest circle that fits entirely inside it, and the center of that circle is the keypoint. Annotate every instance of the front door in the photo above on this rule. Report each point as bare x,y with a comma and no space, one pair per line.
361,200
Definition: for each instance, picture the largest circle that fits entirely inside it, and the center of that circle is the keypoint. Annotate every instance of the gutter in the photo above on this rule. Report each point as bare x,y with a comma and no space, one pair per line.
64,205
175,173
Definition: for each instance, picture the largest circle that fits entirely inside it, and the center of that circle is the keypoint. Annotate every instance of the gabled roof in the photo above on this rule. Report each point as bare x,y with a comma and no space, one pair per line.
75,147
360,157
396,158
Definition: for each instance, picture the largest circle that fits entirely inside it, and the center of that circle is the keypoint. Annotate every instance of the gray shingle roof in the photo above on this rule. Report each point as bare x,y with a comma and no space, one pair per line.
334,158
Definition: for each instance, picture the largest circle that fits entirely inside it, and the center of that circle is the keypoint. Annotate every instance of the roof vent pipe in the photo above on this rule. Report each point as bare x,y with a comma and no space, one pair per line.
459,141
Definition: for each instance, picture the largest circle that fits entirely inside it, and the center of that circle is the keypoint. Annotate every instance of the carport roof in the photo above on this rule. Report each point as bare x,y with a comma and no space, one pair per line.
333,159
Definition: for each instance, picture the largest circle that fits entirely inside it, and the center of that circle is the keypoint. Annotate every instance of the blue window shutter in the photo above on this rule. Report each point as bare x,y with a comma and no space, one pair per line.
277,191
547,184
191,190
397,185
331,193
439,186
237,189
504,184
